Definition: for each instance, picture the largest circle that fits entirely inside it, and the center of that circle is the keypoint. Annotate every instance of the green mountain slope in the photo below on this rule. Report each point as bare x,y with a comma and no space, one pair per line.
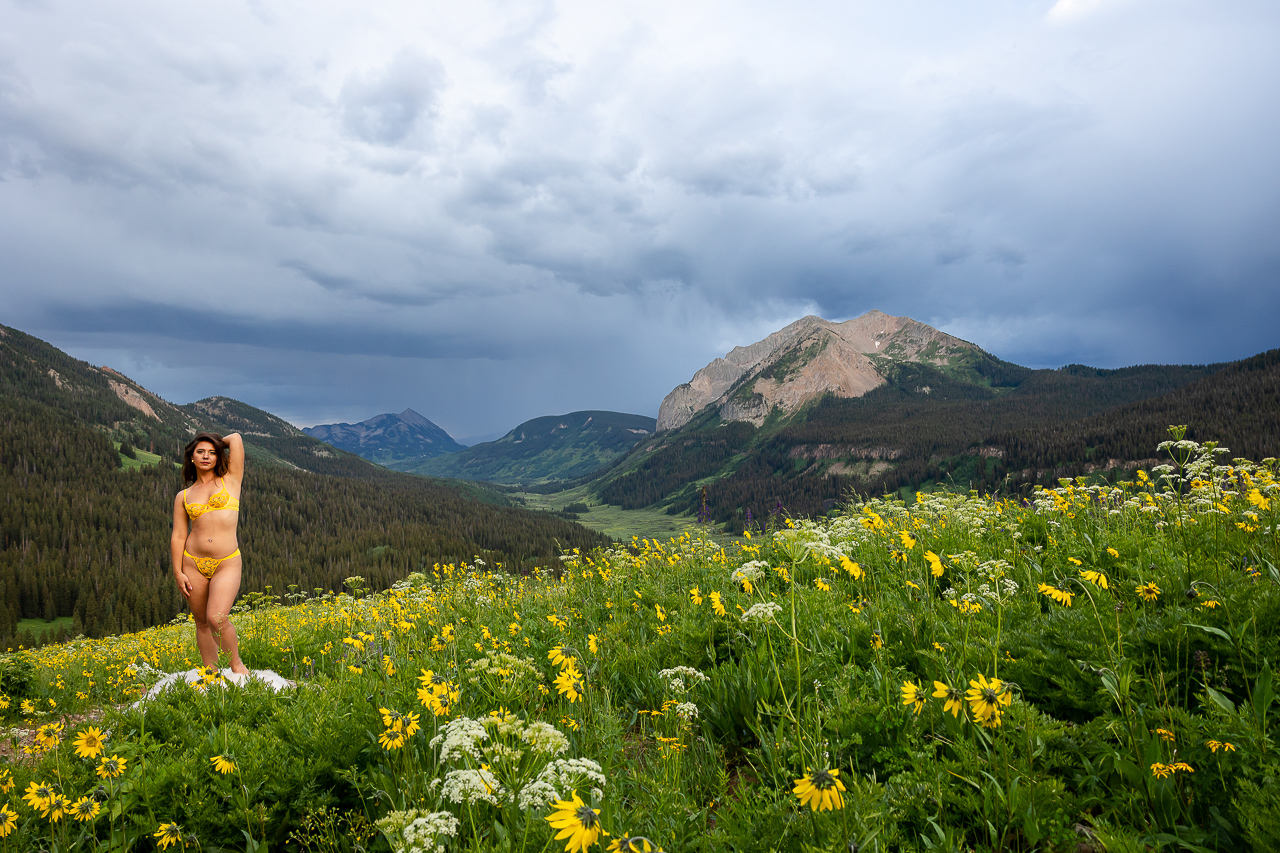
84,539
1238,406
555,447
111,402
924,425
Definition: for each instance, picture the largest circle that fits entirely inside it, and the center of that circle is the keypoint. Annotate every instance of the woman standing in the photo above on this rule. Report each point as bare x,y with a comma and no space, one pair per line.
206,556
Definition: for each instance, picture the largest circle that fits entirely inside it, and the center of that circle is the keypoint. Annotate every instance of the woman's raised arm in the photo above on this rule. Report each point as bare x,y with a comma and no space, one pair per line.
235,464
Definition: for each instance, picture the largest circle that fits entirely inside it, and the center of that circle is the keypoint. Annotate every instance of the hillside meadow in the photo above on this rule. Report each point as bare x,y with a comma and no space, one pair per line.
1089,669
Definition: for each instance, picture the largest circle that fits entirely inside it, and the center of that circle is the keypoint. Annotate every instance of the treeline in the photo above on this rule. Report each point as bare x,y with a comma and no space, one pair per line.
923,427
81,538
1238,407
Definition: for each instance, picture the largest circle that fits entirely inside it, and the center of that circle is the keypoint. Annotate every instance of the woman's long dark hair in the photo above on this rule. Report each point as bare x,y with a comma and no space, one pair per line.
189,467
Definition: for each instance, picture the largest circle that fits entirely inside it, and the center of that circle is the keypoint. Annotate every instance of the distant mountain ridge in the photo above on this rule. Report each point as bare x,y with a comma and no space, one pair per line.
810,358
553,447
388,438
35,371
882,404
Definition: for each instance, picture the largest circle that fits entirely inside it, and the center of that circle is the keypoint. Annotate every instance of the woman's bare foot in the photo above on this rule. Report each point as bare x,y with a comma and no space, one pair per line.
239,668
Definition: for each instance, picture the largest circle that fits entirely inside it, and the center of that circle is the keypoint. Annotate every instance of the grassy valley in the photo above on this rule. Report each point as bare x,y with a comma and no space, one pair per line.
613,521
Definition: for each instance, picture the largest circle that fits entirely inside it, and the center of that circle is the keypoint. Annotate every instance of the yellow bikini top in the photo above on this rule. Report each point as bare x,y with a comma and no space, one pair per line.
218,500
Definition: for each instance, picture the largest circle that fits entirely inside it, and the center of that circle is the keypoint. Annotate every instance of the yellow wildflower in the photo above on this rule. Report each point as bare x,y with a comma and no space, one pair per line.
820,791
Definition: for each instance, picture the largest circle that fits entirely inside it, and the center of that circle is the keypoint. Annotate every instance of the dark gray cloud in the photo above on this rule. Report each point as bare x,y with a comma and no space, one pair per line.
492,211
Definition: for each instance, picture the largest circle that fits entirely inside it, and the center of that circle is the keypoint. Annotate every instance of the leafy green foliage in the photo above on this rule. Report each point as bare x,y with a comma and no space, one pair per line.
1091,666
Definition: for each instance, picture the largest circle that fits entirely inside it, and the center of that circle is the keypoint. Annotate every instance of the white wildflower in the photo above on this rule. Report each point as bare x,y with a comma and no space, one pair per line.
416,831
469,786
545,738
537,794
460,737
677,675
567,774
763,612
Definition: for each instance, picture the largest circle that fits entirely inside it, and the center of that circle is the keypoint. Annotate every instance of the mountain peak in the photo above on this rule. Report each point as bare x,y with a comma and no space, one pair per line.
409,416
804,360
388,438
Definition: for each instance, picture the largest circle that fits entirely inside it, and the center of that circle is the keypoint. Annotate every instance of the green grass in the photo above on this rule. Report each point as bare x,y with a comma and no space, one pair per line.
39,626
144,458
1094,670
614,521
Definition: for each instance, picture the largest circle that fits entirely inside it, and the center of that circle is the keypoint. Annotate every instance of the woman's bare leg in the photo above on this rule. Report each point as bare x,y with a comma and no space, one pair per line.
205,643
223,587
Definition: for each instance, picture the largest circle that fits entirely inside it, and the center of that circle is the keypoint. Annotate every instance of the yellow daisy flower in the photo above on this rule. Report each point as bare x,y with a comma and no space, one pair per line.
38,795
985,698
954,698
57,806
569,683
1098,579
1059,595
85,809
111,768
579,824
913,695
8,820
168,834
820,791
223,764
89,743
1149,591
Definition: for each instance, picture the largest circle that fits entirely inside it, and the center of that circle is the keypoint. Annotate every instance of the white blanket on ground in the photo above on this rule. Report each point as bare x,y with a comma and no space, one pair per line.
268,677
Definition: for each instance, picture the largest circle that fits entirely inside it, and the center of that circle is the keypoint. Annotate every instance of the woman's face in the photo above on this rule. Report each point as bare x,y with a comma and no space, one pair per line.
205,456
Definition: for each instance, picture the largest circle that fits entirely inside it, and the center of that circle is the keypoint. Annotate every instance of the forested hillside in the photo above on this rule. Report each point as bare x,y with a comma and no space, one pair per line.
553,447
926,427
1239,407
80,537
31,369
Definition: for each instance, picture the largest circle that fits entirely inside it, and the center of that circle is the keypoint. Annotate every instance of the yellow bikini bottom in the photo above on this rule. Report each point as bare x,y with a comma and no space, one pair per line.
208,565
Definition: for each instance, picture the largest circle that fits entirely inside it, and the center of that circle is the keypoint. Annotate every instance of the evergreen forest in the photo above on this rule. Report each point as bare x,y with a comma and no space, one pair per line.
926,429
86,540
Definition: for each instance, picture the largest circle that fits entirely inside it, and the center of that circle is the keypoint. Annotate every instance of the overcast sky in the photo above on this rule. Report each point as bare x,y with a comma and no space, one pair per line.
490,211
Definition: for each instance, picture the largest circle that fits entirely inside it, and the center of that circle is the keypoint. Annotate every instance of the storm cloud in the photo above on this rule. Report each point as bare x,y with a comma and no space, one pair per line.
496,210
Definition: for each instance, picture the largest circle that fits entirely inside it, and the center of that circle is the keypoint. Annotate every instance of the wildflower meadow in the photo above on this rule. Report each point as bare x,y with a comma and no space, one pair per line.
1087,668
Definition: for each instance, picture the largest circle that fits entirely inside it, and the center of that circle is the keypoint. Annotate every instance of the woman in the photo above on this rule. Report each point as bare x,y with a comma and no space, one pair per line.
206,557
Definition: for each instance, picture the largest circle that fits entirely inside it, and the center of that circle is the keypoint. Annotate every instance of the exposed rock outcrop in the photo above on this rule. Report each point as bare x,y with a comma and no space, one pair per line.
803,361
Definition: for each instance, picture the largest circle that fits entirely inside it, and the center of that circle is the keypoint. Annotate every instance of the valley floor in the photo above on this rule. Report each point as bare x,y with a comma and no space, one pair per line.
614,521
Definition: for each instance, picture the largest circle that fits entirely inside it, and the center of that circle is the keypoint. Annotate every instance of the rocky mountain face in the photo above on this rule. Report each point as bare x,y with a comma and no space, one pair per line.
807,359
388,438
